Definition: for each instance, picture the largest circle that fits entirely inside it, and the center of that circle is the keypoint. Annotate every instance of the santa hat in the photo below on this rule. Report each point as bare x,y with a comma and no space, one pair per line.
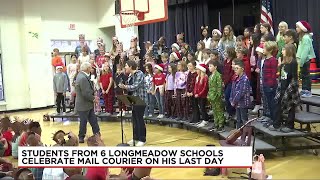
59,67
202,67
176,55
180,36
175,45
260,48
217,31
304,26
159,66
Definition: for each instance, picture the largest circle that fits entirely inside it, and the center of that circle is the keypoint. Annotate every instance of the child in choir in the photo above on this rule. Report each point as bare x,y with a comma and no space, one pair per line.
106,84
240,94
290,37
214,56
150,99
205,36
216,35
287,96
242,54
159,82
200,94
72,71
246,36
84,57
148,46
175,47
191,81
180,38
283,27
305,53
57,61
95,77
120,78
60,86
240,42
165,62
227,75
184,51
206,56
169,91
180,89
265,29
101,59
255,78
149,59
228,39
191,57
199,53
215,96
175,57
269,77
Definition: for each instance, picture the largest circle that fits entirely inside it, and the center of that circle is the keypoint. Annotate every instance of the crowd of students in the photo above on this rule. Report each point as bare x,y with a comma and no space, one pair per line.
223,72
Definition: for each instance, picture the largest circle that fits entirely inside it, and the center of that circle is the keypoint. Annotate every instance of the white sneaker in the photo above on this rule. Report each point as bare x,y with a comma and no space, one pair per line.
131,142
150,115
210,113
256,109
160,116
123,114
203,123
139,143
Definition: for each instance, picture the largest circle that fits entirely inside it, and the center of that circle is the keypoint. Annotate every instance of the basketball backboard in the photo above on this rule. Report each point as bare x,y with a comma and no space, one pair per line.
140,12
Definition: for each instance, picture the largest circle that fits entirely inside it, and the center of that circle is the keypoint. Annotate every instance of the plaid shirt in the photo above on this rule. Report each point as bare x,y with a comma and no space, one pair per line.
148,82
240,93
288,98
269,72
136,85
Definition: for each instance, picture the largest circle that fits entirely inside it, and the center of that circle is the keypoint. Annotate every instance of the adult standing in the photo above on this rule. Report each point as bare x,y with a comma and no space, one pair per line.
85,101
136,87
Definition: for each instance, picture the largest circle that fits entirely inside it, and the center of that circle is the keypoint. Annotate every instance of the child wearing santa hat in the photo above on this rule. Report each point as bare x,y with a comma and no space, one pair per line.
159,81
175,57
305,52
200,92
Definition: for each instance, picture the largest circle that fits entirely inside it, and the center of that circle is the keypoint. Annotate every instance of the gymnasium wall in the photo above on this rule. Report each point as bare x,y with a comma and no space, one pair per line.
26,60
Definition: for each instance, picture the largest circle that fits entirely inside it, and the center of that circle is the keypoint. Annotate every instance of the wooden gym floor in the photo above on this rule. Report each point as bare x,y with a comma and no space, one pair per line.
296,164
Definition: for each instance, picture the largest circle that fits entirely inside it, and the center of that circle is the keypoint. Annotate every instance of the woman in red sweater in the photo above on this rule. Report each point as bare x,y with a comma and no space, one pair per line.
106,84
200,92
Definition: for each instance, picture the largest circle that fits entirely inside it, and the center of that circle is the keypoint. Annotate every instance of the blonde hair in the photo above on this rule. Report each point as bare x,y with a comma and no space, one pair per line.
271,46
230,36
280,35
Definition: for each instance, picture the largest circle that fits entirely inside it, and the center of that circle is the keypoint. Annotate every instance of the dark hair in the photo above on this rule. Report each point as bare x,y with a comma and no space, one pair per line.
231,52
33,125
132,64
194,63
243,51
257,27
291,33
206,51
215,52
255,39
149,66
240,38
267,26
214,63
239,62
174,70
73,55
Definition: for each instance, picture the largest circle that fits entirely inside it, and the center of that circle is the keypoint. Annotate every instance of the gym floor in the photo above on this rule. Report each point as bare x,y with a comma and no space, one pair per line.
295,165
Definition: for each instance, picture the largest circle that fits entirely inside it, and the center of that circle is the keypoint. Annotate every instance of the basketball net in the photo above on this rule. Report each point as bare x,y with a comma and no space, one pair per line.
129,18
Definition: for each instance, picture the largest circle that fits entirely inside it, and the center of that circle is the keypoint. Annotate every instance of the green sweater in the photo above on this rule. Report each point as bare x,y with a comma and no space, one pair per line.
305,50
281,45
215,86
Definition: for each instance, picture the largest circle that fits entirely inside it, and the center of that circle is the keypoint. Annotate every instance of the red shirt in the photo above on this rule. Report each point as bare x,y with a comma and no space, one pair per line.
227,72
247,66
8,136
100,60
201,87
159,79
105,80
97,173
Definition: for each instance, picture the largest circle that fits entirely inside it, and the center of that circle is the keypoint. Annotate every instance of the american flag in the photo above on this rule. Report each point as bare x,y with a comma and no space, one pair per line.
266,16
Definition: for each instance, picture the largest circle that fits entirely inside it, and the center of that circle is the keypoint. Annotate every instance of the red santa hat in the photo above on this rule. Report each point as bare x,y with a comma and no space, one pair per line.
202,67
175,45
217,31
159,66
260,48
59,67
176,55
304,26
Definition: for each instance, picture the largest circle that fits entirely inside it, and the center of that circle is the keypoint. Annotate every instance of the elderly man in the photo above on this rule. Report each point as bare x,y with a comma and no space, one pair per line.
85,101
136,87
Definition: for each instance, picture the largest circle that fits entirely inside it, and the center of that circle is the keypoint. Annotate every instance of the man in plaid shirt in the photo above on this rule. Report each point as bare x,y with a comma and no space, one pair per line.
136,87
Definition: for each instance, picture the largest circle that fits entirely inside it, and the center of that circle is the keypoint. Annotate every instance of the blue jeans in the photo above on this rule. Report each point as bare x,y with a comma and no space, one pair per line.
242,116
160,101
150,100
227,92
269,94
84,117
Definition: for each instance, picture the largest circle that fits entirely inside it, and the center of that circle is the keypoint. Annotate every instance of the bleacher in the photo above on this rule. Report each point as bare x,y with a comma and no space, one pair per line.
265,140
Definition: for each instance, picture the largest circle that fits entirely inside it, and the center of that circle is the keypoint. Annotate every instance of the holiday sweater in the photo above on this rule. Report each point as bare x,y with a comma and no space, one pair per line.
191,81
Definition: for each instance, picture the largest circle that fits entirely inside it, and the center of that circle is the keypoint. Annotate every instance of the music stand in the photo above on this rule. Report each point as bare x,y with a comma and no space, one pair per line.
123,99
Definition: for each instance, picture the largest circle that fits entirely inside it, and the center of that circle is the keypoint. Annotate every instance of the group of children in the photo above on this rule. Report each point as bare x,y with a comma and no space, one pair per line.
224,72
